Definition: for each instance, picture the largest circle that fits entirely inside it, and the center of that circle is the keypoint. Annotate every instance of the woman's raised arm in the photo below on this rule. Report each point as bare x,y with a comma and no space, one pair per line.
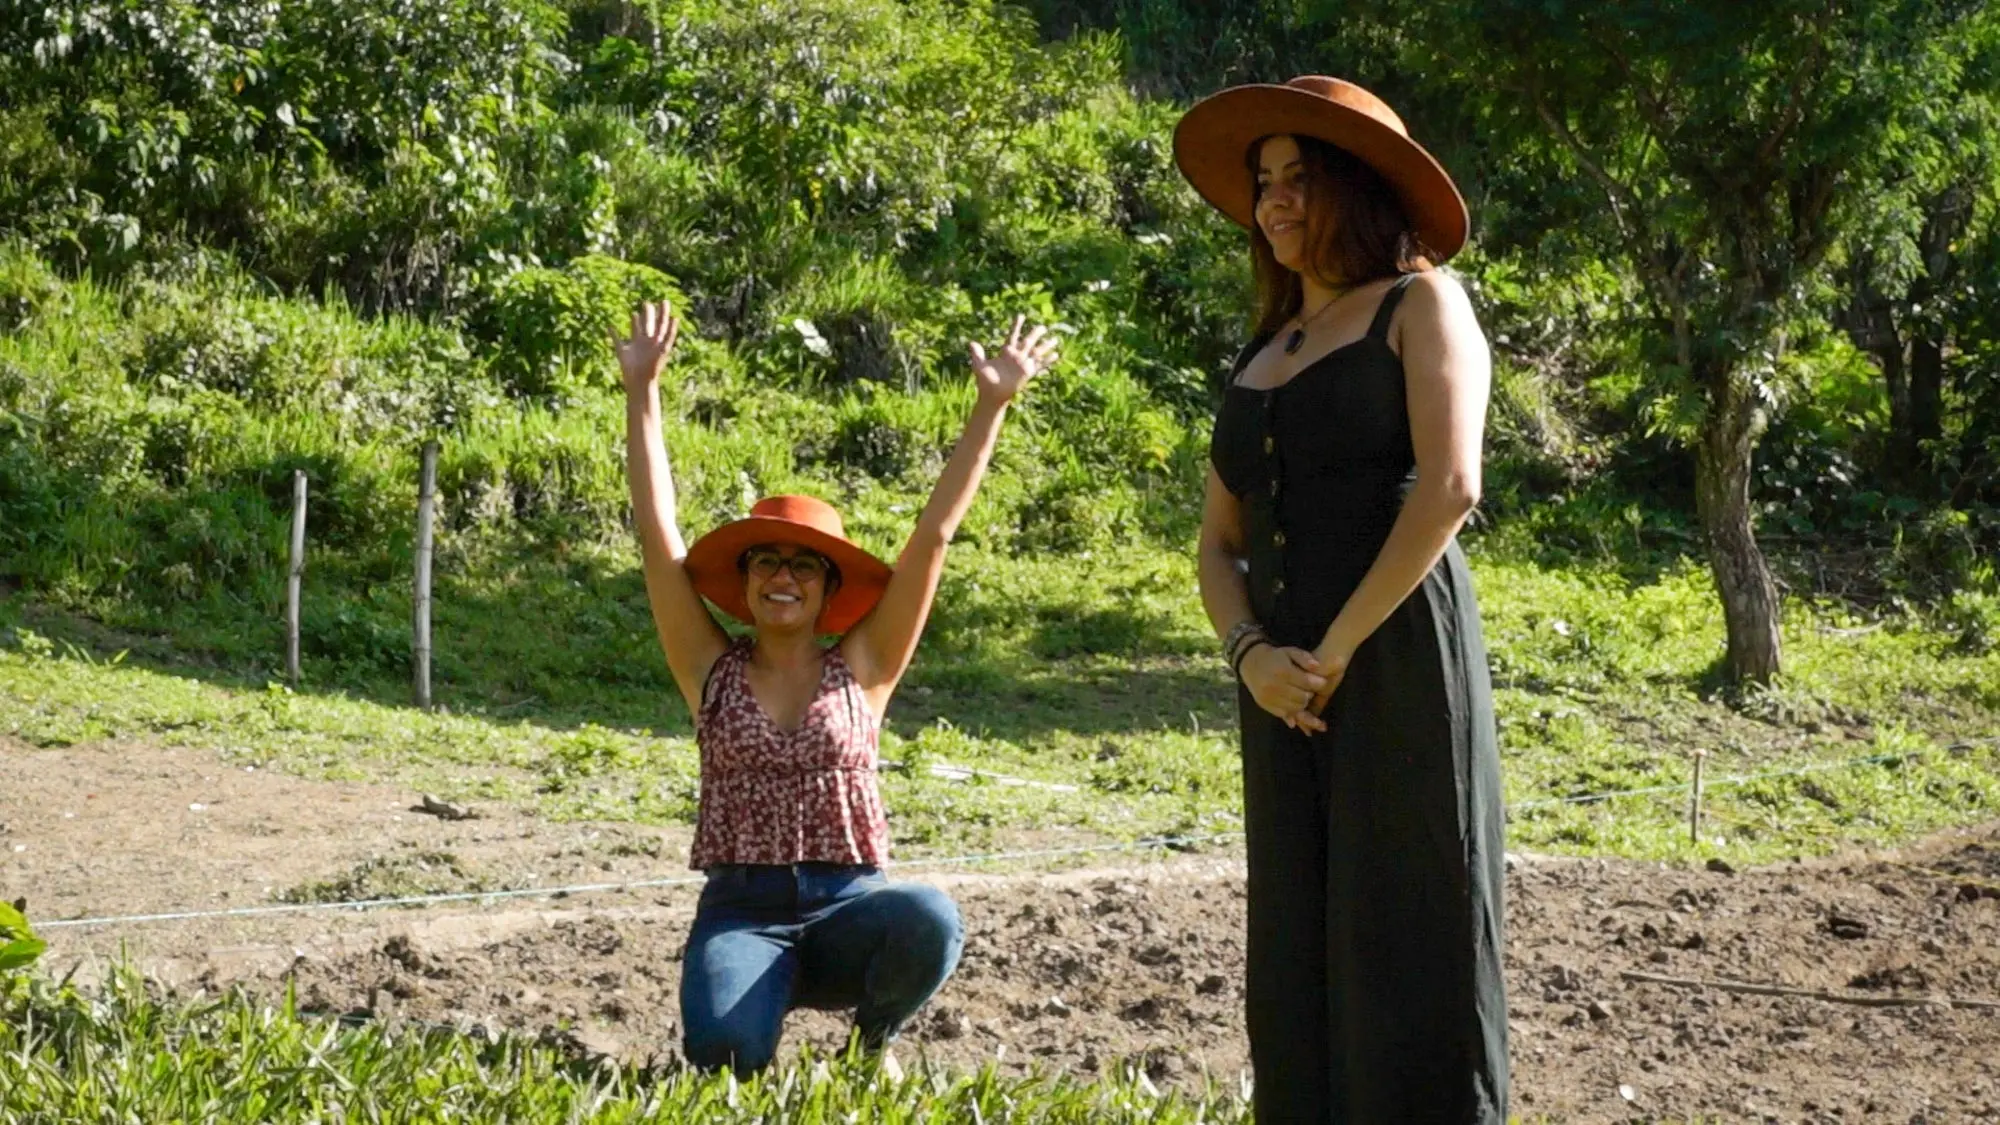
689,635
880,647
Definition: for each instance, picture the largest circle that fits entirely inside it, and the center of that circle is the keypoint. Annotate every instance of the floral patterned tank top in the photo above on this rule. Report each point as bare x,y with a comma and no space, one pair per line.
770,796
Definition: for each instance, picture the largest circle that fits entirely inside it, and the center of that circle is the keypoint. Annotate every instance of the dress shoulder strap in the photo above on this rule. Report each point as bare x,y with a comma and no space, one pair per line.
1248,353
1384,313
845,684
725,665
840,671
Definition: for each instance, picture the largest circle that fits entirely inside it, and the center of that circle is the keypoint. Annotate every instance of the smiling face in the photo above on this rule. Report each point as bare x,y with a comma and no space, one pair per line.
786,585
1322,213
1283,200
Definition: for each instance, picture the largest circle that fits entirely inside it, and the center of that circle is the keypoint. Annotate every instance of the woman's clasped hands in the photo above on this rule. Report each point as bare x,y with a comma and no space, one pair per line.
1291,683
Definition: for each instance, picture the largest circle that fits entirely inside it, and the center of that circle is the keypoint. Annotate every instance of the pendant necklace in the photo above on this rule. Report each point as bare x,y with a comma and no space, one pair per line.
1298,337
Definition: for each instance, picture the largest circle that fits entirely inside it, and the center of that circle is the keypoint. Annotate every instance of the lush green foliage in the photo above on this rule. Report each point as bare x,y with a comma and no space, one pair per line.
550,330
840,193
920,173
364,143
1731,156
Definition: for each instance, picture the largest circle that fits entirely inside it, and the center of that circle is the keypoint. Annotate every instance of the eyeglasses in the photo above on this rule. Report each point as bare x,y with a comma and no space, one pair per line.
765,562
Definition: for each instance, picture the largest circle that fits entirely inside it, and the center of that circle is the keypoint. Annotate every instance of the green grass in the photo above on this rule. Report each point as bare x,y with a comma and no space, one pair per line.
1093,671
126,1055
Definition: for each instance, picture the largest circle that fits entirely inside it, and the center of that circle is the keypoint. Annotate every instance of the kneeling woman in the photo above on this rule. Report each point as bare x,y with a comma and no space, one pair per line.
791,833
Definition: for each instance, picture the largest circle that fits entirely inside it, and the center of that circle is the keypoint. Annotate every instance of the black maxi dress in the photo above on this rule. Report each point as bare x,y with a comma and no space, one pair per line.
1375,852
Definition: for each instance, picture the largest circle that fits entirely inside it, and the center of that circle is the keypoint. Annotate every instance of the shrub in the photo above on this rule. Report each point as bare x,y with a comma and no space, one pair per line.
27,287
550,330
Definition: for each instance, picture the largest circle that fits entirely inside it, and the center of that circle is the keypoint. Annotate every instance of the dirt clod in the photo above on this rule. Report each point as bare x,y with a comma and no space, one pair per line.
443,810
1892,977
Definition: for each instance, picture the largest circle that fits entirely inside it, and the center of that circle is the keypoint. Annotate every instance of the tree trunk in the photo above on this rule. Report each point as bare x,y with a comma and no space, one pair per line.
1729,431
1926,414
1946,217
1871,325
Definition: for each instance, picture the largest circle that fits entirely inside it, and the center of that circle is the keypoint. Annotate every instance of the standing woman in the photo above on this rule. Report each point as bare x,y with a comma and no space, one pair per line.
791,831
1344,460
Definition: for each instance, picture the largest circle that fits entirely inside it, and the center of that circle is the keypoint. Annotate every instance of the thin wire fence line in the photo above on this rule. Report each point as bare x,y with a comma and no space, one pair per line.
1721,782
1146,843
363,904
1150,843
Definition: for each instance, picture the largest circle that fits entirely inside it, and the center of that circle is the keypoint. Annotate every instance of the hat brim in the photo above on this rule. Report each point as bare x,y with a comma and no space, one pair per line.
1212,145
711,566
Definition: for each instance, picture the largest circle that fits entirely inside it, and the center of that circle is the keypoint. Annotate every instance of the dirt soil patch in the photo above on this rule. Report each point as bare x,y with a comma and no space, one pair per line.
1078,970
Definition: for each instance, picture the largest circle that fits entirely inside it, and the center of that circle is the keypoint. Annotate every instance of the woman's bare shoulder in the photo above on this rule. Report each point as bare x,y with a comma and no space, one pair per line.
1436,305
1436,289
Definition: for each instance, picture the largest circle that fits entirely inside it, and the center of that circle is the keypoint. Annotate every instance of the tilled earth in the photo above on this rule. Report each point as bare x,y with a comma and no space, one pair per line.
1087,970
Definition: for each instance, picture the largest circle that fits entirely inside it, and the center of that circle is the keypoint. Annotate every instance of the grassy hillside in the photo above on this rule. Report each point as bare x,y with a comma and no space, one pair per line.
278,255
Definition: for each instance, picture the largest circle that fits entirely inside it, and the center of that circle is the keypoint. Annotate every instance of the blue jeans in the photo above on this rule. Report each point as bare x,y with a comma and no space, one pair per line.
767,939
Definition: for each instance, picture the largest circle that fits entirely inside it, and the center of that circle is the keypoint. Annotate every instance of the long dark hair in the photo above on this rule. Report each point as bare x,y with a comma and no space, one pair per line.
1356,231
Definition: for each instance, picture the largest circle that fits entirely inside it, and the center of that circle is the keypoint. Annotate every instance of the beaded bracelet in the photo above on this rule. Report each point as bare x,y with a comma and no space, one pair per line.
1255,637
1233,643
1236,664
1251,638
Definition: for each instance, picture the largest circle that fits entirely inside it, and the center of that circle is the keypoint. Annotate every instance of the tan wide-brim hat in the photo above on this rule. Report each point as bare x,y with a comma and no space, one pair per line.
802,520
1212,146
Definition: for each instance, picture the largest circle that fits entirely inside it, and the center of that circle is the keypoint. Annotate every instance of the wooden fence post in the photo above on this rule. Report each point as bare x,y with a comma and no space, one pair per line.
298,571
1694,799
426,504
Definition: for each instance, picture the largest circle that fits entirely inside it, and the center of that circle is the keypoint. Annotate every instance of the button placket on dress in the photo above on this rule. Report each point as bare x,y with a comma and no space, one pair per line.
1274,467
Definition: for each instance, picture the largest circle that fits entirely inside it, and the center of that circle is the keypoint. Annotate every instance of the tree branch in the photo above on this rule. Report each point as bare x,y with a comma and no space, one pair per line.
1621,195
1808,73
1810,199
1674,262
1659,260
1658,114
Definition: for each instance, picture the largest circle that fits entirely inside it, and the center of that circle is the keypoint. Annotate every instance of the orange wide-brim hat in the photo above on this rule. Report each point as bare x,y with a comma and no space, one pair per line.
1212,146
800,520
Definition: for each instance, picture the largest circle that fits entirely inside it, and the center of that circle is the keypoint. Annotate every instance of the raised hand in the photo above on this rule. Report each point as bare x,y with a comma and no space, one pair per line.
1001,376
645,351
